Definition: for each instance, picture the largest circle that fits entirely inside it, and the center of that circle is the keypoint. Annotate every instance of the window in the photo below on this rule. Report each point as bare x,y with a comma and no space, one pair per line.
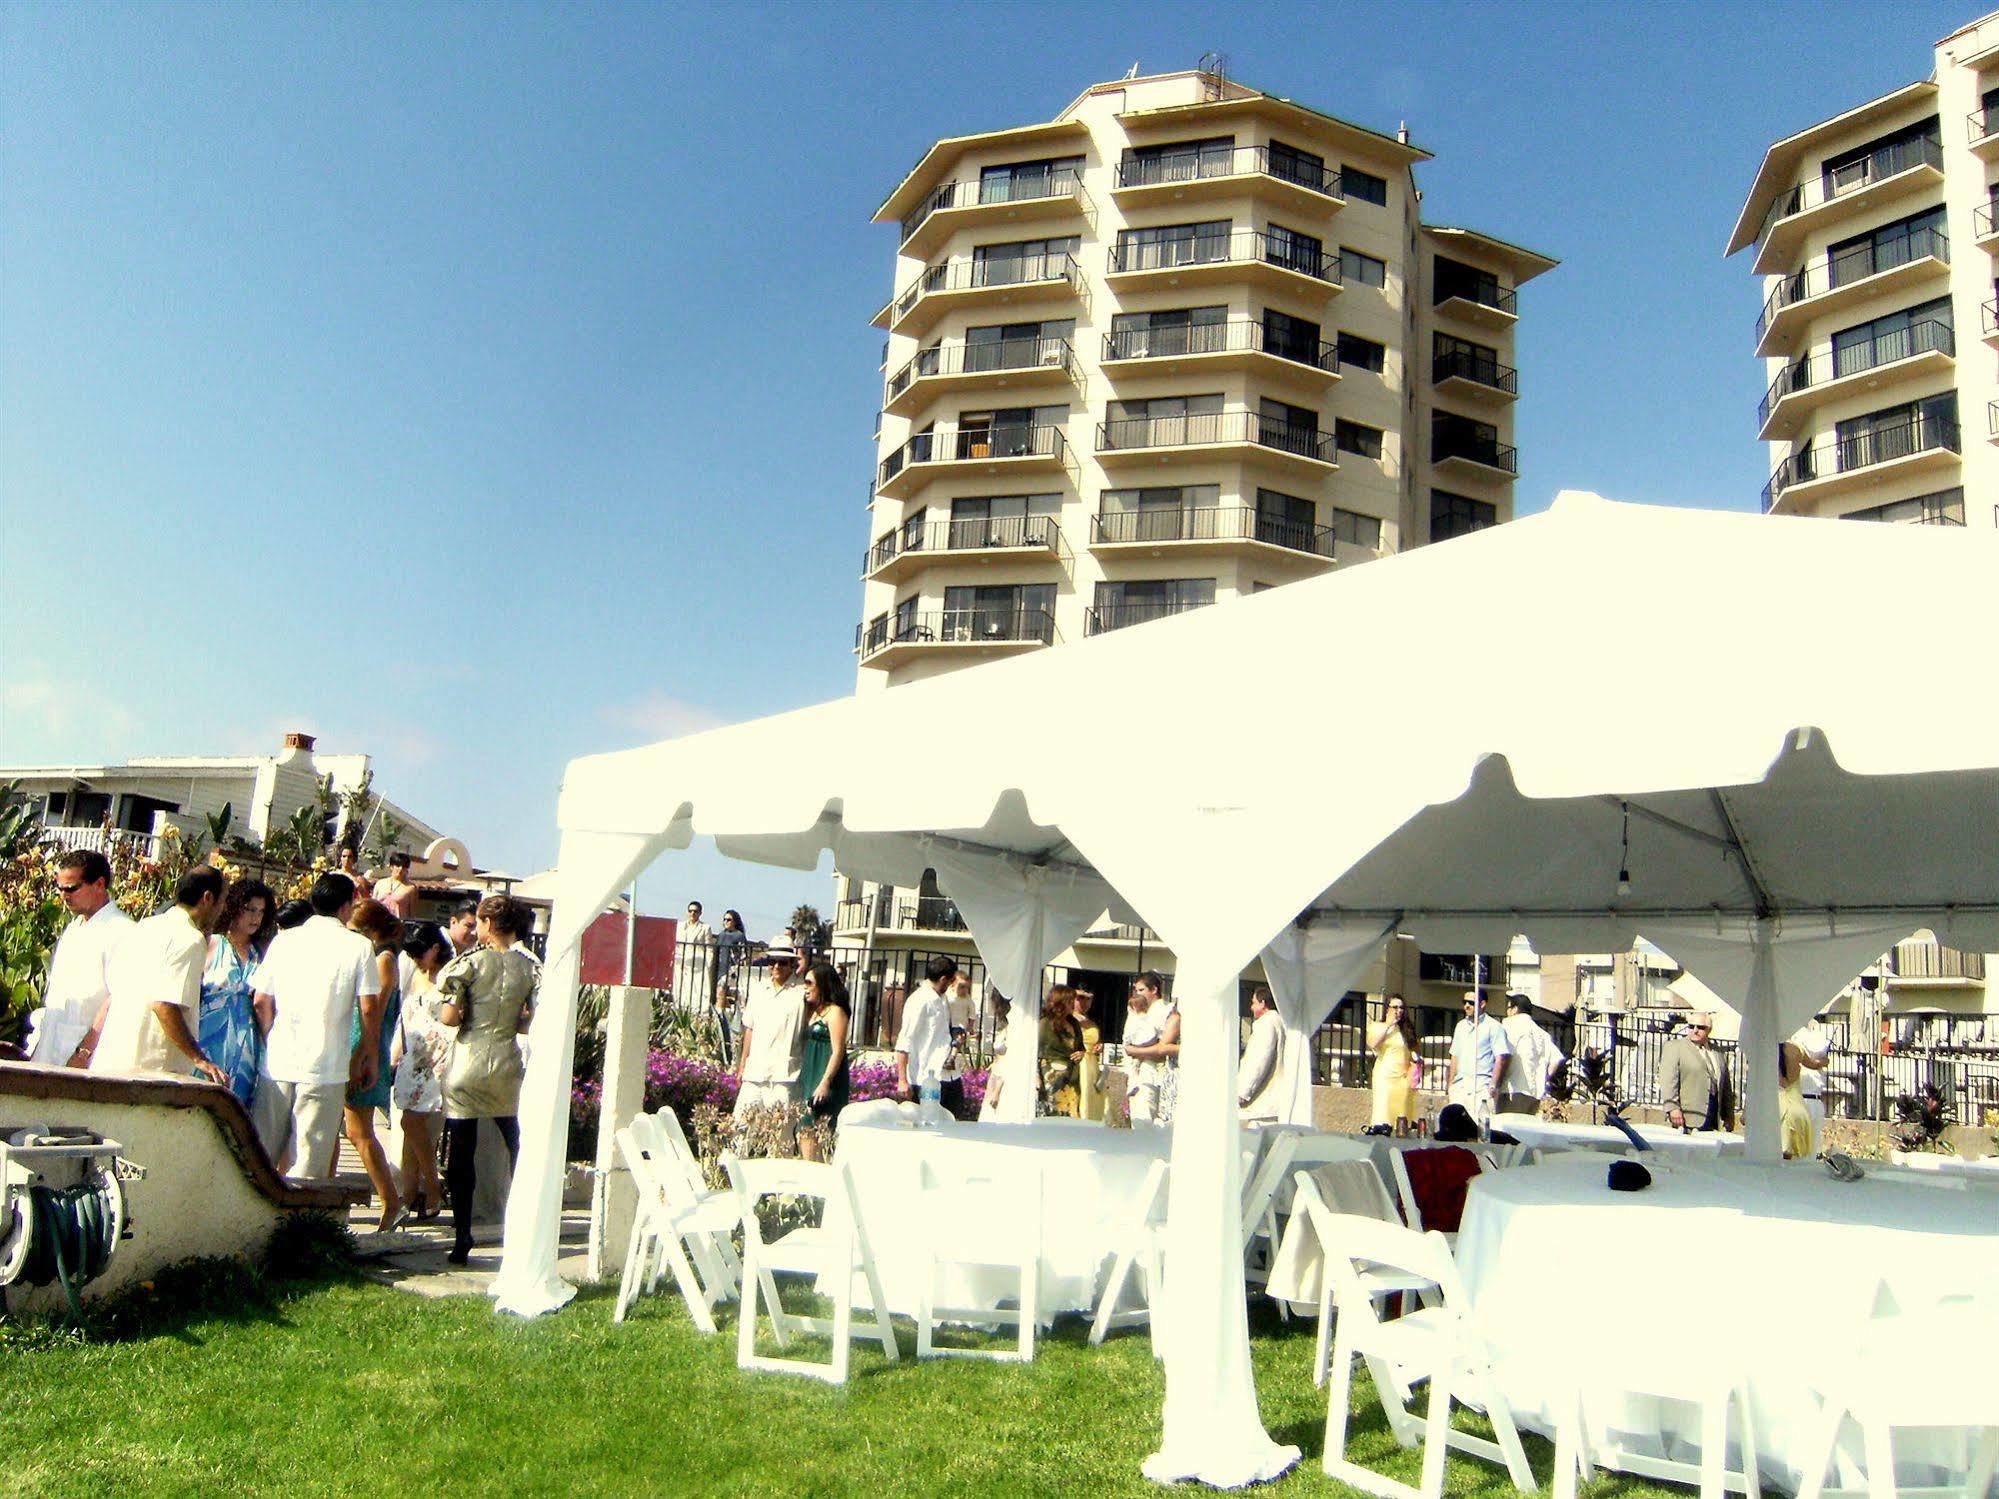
1182,161
1003,520
905,617
1885,248
1452,435
1357,269
1896,431
1944,508
1290,337
1010,432
1019,260
1356,529
1362,353
1356,437
1453,278
1285,520
1458,515
1171,245
1884,157
1363,187
1013,346
1294,251
1182,330
1461,356
1163,421
1295,429
1136,601
1166,513
1029,179
1301,167
1914,330
877,633
1017,611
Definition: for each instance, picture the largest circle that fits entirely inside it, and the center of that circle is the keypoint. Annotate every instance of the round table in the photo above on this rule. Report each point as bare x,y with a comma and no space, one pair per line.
1664,1140
1765,1269
1092,1176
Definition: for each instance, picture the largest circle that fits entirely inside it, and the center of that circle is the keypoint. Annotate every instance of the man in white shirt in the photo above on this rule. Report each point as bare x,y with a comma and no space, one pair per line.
1262,1061
1479,1053
694,960
1152,1052
773,1018
924,1067
150,1017
310,985
77,985
1535,1055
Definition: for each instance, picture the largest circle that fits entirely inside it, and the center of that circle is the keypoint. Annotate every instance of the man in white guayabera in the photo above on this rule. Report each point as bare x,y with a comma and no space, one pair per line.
1151,1051
923,1063
773,1018
1262,1061
78,982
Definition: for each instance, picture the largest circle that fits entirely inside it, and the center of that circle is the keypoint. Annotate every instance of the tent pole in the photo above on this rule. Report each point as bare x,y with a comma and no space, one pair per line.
1759,1052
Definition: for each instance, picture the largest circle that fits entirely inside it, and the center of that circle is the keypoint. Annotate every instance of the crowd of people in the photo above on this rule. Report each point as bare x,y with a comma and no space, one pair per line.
317,1016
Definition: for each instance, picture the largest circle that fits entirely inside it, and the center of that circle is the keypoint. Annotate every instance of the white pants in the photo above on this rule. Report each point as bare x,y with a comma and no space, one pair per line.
1151,1101
1815,1107
1476,1096
305,1116
764,1096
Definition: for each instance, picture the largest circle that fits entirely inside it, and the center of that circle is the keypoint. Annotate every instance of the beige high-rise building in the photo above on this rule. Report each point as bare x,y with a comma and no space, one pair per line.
1181,343
1873,234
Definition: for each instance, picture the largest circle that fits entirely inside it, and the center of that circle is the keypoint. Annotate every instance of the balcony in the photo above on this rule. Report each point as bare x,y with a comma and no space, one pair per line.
1104,618
1984,233
897,641
1224,259
1036,198
1122,931
1474,377
1004,364
1240,343
1992,420
1885,177
1208,529
980,283
1842,464
1493,306
1196,176
978,451
1988,316
1984,132
1230,434
1933,963
1920,349
1835,282
1470,454
914,548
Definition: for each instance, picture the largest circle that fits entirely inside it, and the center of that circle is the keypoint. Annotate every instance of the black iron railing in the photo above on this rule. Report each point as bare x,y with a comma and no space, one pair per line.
1019,187
1477,368
1489,452
1199,162
1107,617
1123,433
1931,335
1237,335
973,275
1983,123
988,626
1982,220
984,358
1849,266
1922,433
973,445
1484,293
1243,246
1210,523
996,533
1890,161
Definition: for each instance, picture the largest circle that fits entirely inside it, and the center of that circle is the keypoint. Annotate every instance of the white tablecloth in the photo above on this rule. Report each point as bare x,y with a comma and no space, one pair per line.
1758,1267
1664,1140
1093,1175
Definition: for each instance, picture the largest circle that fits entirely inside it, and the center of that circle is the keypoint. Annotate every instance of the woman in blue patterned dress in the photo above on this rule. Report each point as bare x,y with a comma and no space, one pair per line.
227,1029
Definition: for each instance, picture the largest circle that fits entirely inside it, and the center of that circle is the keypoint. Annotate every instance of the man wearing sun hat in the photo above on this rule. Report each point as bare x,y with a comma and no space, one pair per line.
773,1017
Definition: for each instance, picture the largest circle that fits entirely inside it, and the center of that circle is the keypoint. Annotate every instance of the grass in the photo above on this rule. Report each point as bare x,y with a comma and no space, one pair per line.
341,1386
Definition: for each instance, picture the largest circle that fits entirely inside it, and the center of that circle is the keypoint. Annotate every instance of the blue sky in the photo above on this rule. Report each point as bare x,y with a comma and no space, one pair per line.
481,386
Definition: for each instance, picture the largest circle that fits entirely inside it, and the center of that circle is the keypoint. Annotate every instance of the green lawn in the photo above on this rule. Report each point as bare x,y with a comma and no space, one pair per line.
350,1388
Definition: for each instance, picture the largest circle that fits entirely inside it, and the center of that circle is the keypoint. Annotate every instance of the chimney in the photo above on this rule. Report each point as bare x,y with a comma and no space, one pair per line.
1402,132
298,741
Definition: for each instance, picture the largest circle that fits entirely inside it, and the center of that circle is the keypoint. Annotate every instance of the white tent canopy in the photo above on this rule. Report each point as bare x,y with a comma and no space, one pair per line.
1809,790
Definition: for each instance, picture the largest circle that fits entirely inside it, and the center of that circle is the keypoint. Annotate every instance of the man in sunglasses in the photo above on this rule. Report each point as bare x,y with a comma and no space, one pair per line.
77,986
1694,1085
1480,1049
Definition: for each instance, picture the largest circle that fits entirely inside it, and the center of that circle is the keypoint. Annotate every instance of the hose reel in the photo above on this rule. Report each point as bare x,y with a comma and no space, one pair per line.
62,1207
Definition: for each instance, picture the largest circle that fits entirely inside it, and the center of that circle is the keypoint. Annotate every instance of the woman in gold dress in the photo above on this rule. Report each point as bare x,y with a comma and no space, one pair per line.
1089,1080
1061,1050
1398,1071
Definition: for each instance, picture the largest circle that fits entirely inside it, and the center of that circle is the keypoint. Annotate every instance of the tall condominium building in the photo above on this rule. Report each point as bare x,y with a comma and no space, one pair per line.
1183,342
1873,233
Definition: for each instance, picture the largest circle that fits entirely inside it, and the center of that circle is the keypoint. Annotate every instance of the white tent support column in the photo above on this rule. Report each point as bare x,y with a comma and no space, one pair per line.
1760,1037
1212,1429
1310,969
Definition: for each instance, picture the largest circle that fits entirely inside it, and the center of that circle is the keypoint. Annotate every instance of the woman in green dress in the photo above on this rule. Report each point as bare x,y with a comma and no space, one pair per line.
822,1062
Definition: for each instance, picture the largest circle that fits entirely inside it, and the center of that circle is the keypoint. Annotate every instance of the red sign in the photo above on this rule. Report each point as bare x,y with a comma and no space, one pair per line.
603,960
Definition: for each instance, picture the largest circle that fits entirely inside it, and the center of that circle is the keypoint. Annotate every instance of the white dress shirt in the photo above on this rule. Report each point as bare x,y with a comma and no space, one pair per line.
316,974
925,1037
1257,1079
773,1016
160,961
1534,1056
79,980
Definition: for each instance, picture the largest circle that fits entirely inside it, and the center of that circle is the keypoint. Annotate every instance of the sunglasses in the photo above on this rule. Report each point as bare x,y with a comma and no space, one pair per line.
69,889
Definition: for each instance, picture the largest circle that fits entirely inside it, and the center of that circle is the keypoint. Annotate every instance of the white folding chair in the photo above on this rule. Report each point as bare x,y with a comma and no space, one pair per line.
988,1218
833,1253
714,1250
1658,1373
1259,1207
1412,1210
1365,1197
1440,1342
667,1221
1857,1387
1141,1245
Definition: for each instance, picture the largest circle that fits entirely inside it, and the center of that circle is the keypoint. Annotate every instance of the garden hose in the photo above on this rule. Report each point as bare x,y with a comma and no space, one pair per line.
72,1233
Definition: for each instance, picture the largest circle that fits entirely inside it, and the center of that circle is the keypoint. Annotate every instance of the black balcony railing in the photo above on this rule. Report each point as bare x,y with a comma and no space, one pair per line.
1107,617
1234,336
1931,335
1019,187
1197,163
1484,293
1211,523
987,626
1982,219
1238,246
1473,448
1923,433
993,533
974,445
1123,433
1856,264
982,358
1890,161
973,275
1477,368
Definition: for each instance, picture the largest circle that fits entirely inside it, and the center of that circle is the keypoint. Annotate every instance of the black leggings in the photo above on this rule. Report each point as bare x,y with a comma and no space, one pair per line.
461,1169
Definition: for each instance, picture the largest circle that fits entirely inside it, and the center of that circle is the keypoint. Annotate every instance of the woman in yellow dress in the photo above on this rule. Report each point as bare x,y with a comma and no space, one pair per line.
1794,1122
1090,1098
1398,1071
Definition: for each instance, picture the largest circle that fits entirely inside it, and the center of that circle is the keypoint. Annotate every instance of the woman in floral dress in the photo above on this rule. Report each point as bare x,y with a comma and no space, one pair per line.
422,1044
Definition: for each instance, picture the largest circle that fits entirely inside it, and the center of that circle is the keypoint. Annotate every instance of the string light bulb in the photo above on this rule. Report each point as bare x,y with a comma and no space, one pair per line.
1624,851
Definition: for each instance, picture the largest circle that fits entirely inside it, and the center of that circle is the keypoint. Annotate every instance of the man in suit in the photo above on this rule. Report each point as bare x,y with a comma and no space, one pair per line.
1693,1081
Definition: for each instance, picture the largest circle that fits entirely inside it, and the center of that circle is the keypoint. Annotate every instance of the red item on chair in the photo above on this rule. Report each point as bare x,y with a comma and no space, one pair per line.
1438,1177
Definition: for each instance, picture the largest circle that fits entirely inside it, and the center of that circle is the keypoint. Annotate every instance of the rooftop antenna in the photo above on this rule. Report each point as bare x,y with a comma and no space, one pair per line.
1214,70
1132,71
